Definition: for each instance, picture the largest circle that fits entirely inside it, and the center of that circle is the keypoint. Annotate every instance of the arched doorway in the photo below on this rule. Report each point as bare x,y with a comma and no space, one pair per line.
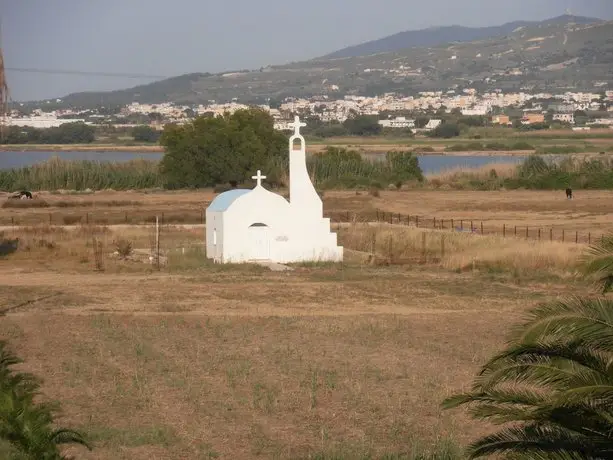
259,241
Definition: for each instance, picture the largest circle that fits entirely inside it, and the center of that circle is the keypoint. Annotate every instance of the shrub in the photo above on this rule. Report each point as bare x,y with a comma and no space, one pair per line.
123,247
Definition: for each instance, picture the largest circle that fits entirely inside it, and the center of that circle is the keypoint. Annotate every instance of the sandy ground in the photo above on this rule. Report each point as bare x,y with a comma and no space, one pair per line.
208,361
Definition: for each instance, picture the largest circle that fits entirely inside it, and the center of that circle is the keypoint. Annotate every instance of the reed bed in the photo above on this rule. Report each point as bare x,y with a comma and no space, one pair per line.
503,170
58,174
460,251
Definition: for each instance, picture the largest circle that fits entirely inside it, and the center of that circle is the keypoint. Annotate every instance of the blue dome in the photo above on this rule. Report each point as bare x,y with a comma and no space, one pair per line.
225,199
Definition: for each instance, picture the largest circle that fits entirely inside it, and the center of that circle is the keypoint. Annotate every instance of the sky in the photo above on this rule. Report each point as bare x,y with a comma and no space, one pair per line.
172,37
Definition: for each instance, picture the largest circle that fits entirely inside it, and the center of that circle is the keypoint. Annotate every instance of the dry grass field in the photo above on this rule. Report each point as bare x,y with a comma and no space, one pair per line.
589,211
325,361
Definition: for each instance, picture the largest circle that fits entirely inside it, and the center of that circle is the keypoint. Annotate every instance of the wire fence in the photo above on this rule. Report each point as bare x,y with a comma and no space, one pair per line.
477,227
198,217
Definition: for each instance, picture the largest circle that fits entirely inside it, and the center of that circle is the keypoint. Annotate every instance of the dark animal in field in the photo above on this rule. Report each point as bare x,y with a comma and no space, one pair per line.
8,246
22,195
569,193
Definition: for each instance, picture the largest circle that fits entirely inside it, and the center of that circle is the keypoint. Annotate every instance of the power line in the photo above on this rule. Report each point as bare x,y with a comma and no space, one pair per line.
85,73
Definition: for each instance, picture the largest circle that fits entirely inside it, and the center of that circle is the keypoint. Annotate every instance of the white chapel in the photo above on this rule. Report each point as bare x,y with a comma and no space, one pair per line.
251,225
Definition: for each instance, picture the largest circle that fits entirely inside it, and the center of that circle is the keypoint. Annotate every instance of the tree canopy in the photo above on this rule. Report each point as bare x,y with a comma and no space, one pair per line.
67,133
216,150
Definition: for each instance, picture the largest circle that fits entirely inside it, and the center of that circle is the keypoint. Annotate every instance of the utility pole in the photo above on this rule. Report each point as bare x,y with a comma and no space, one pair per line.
4,91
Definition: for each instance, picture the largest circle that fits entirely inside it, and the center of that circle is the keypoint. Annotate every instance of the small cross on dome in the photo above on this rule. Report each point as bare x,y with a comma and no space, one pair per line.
297,124
258,177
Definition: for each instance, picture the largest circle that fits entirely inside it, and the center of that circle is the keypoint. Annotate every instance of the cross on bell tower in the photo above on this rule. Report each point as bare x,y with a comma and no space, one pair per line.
258,177
297,124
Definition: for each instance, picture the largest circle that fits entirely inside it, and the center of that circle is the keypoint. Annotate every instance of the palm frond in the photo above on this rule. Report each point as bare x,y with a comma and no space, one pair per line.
598,263
66,436
537,440
575,319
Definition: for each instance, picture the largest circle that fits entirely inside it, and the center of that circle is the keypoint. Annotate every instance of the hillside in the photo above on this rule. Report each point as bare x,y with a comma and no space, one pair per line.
434,36
550,57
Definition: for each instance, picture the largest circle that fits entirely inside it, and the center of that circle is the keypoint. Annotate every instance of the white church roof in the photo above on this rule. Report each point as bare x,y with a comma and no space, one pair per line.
225,199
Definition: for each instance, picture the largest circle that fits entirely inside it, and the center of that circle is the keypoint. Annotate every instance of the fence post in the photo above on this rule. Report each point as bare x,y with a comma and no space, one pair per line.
471,226
461,225
482,227
434,222
347,216
551,234
391,217
589,238
515,230
504,230
562,235
423,246
399,219
452,226
373,244
157,242
377,215
409,220
539,234
526,232
577,237
442,245
442,224
417,221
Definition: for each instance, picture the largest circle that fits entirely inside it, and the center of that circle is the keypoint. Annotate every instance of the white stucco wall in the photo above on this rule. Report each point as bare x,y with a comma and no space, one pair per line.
214,235
291,238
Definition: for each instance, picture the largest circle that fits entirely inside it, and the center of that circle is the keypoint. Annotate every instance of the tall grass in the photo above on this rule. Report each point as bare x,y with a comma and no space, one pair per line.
535,172
342,168
460,251
58,174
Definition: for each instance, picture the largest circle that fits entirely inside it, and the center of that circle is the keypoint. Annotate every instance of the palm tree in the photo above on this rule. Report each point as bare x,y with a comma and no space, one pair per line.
551,388
599,263
25,424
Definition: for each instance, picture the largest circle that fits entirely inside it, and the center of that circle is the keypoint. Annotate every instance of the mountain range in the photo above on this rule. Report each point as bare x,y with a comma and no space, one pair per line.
434,36
563,53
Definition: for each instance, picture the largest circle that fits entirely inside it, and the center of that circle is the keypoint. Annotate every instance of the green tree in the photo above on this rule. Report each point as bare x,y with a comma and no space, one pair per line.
144,133
446,131
26,426
404,166
363,125
553,384
216,150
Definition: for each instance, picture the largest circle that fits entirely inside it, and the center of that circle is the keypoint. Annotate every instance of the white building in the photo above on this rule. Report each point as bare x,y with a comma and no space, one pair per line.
564,117
41,122
257,224
398,122
433,124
